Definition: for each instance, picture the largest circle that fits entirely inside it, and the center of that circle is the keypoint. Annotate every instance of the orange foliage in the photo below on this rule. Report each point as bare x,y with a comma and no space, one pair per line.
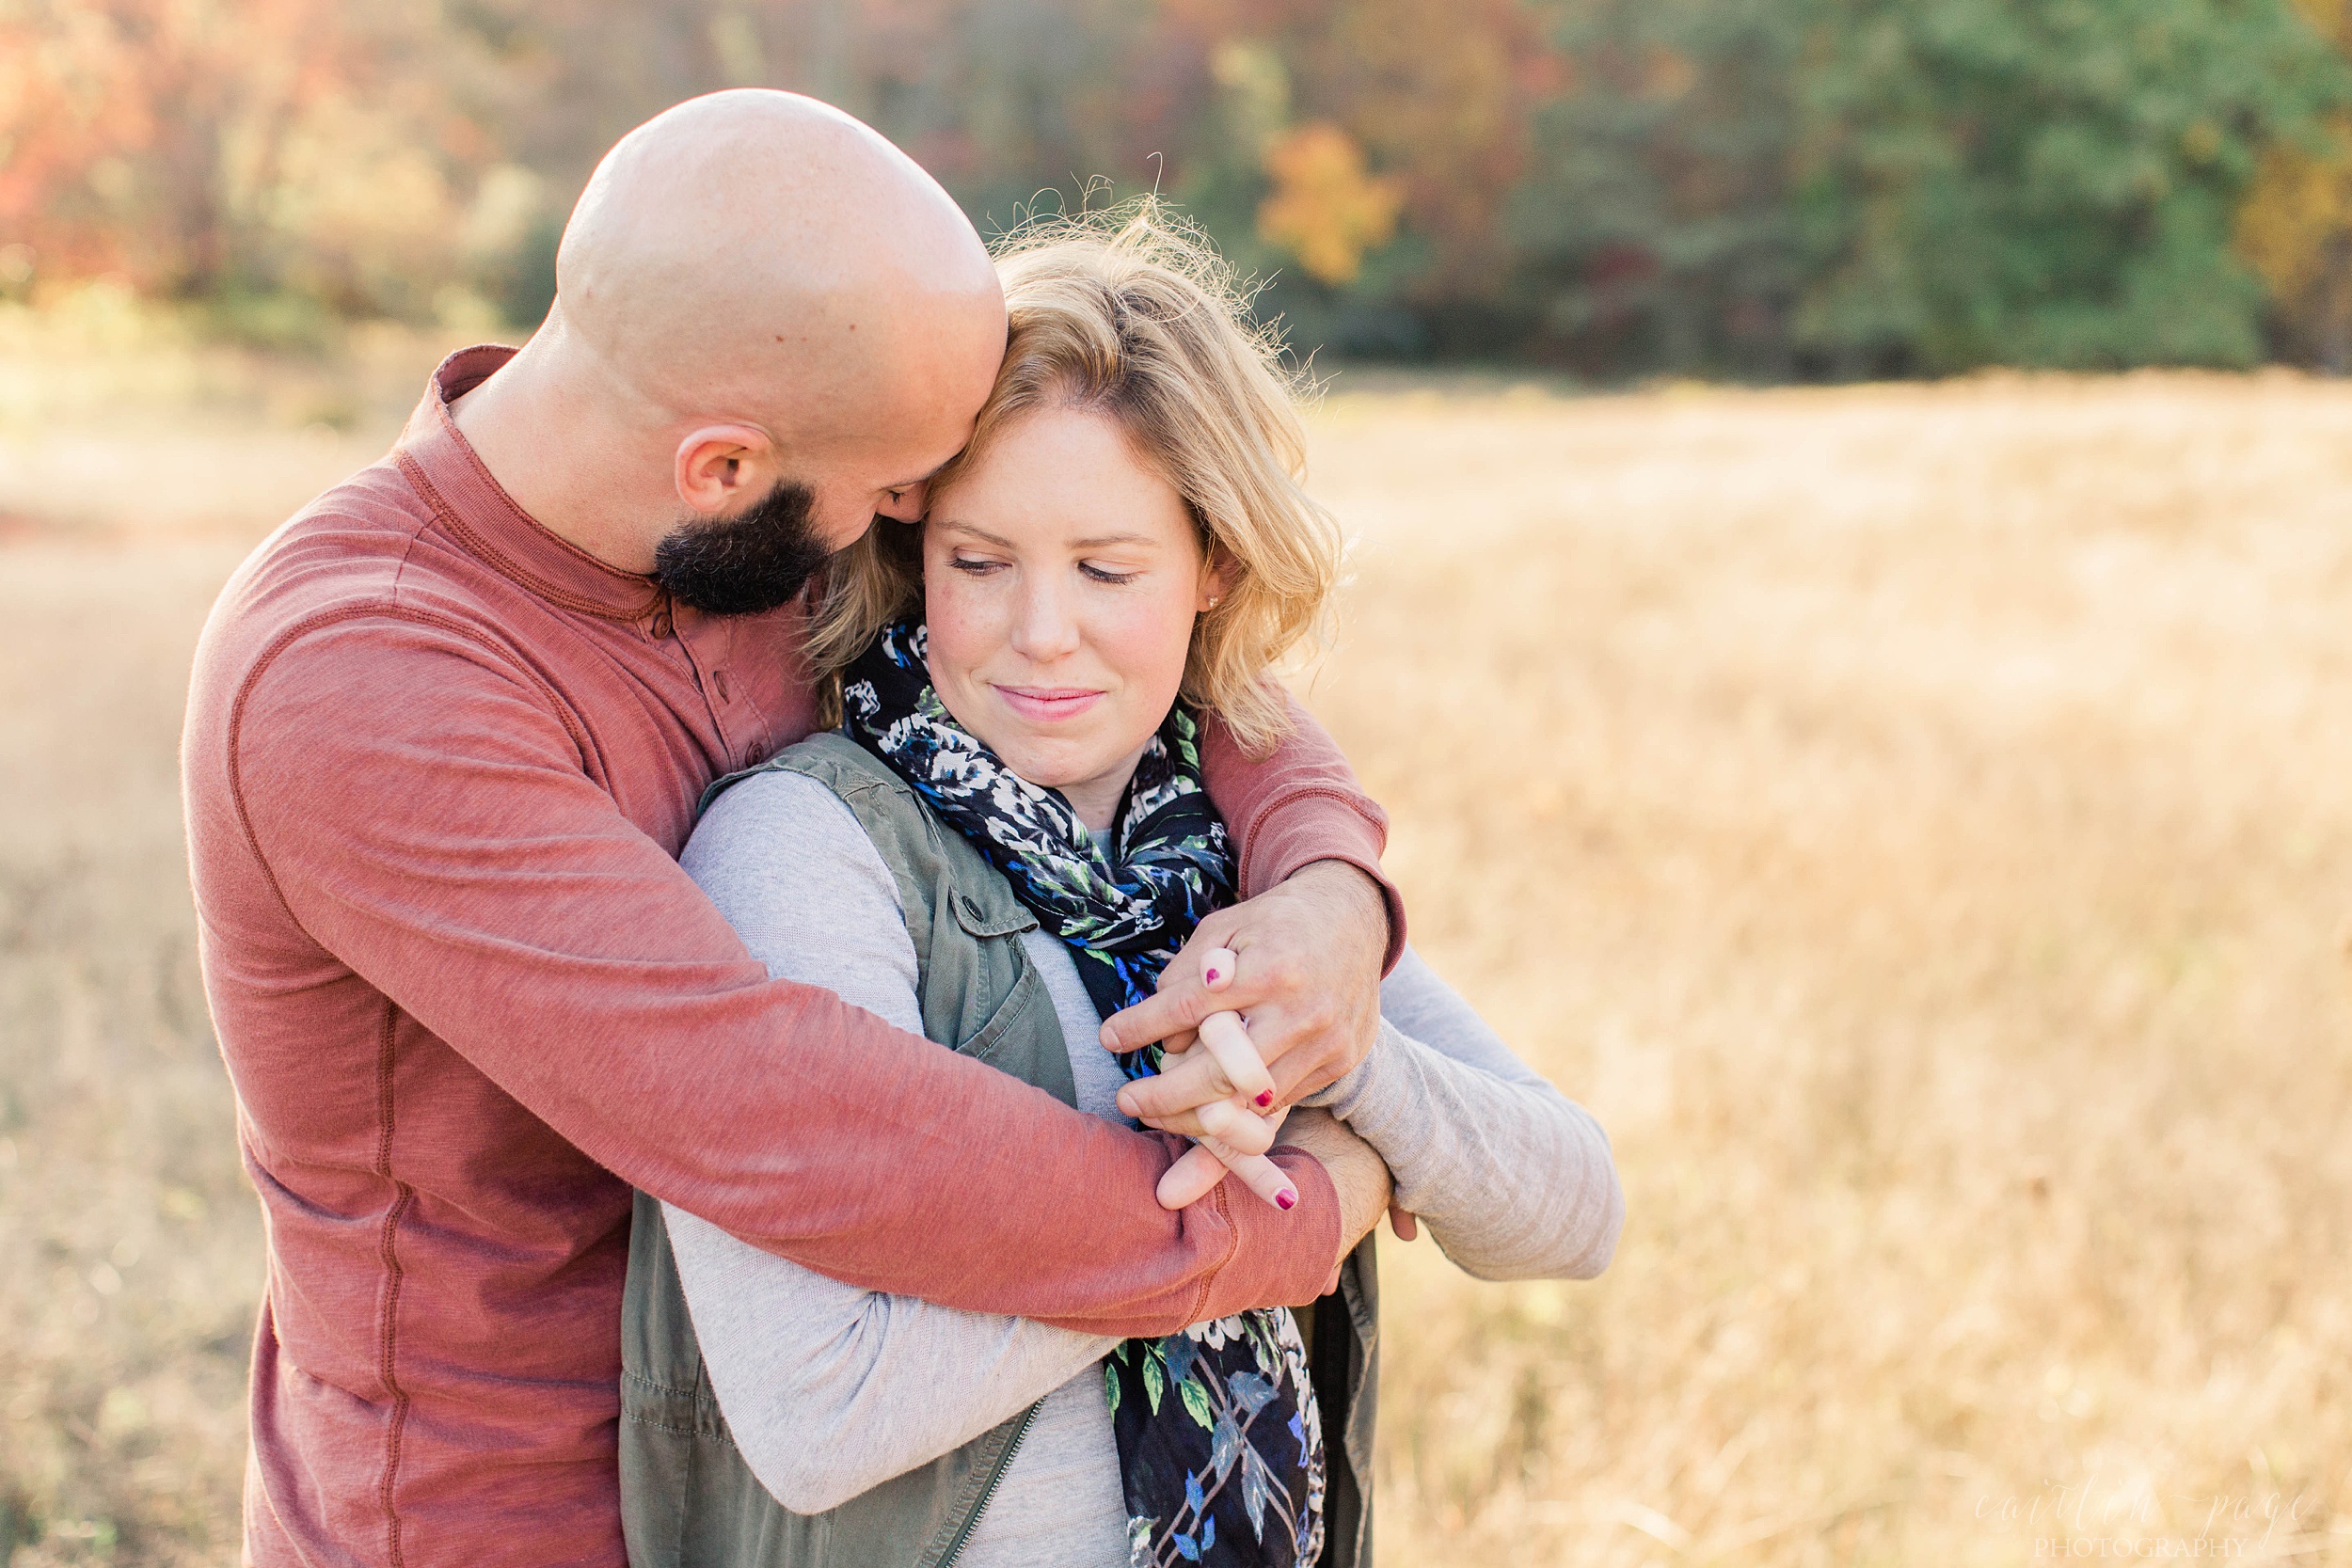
1440,96
170,144
2294,226
1325,209
1437,93
345,152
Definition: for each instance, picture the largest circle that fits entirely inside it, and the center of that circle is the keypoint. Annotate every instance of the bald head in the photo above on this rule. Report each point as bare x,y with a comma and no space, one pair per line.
750,250
763,311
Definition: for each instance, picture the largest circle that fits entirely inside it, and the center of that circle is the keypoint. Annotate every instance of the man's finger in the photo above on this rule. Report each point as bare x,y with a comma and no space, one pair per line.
1230,1044
1241,1129
1170,1011
1402,1223
1185,993
1192,1178
1183,1083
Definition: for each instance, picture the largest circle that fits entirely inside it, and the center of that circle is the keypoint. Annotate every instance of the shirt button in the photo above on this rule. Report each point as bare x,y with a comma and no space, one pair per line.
662,623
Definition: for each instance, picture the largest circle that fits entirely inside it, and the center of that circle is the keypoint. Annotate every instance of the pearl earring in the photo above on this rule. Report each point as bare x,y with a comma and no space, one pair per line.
1212,601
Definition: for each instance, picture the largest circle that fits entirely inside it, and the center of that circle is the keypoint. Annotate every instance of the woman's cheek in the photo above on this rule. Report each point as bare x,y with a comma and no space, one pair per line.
954,637
1145,644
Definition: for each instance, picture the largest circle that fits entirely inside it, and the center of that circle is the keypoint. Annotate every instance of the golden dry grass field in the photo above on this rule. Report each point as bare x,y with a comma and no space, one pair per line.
1915,820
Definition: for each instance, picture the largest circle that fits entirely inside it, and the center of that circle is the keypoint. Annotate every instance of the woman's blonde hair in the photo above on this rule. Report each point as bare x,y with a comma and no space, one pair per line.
1131,314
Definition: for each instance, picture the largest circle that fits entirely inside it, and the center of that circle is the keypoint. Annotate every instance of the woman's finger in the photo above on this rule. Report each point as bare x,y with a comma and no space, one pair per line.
1257,1173
1267,1179
1200,1169
1229,1041
1183,996
1218,966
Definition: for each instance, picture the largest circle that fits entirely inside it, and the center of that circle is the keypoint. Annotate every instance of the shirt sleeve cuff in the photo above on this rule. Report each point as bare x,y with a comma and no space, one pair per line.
1316,824
1280,1260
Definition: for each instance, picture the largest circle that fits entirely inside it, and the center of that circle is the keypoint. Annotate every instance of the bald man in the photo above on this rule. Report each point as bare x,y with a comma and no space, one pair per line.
446,735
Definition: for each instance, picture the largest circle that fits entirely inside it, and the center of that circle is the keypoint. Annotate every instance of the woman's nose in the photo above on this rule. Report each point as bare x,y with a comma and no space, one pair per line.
1043,628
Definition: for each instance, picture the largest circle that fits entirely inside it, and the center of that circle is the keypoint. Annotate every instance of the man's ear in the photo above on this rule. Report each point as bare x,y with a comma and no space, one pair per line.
720,466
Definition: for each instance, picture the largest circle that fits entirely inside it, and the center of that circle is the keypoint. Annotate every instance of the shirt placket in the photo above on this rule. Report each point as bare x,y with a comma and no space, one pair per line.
706,647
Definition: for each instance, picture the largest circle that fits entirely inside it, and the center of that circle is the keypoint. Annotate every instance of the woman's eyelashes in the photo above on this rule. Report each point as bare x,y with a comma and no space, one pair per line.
980,565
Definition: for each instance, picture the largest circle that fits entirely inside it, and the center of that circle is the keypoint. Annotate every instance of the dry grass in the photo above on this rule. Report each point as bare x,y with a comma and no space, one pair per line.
1907,816
1915,820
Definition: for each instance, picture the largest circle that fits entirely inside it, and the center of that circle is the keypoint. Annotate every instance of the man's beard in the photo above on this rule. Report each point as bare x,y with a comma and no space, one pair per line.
747,564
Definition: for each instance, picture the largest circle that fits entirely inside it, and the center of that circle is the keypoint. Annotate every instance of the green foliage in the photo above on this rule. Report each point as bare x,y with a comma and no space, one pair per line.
1862,186
1656,228
2044,184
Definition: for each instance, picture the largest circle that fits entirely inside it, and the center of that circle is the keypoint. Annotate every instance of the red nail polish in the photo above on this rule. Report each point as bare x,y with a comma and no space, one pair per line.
1265,1098
1285,1199
1215,976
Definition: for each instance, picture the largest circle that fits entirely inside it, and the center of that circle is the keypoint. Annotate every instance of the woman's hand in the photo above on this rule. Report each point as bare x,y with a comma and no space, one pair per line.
1232,1133
1236,1132
1306,962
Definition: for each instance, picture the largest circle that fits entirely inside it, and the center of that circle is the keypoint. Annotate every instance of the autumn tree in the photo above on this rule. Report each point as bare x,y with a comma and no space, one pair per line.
2294,228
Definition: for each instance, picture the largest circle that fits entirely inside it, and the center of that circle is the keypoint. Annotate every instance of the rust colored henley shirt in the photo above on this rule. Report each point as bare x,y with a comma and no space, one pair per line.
438,766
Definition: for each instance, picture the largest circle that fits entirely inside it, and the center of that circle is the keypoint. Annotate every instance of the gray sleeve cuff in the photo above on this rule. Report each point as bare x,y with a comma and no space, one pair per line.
1515,1180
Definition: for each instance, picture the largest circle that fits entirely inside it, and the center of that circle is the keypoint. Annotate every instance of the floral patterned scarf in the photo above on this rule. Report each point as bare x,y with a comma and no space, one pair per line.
1220,1449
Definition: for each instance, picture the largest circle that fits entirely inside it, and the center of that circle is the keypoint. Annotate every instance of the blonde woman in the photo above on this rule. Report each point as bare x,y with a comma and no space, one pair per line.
1004,844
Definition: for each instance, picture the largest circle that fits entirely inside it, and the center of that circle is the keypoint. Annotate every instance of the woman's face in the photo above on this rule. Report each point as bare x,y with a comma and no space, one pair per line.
1061,574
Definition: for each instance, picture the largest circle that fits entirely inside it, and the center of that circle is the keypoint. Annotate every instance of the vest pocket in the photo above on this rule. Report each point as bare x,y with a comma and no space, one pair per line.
998,967
1024,992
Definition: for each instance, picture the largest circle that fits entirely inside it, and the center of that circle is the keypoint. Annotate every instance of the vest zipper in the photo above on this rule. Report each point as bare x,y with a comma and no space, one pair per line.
1003,1464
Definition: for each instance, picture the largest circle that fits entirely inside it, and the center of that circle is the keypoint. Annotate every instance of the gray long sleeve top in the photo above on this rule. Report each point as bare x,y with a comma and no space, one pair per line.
830,1389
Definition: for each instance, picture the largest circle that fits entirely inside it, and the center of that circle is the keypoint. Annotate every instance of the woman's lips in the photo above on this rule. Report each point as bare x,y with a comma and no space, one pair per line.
1047,703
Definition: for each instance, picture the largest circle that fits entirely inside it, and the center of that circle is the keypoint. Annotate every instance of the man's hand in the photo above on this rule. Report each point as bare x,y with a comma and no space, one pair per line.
1356,1171
1307,979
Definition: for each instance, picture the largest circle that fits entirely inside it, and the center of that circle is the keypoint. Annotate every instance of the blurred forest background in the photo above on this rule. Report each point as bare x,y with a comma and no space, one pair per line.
1759,189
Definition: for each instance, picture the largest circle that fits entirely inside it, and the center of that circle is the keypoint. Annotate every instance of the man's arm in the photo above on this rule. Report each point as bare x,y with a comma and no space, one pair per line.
429,819
1297,806
1320,925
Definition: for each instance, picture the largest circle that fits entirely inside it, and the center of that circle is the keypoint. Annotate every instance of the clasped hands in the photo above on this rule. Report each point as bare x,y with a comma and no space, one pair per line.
1302,961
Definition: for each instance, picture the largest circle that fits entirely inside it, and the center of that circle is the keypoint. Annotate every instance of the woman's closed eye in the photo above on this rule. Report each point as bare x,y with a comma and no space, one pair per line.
979,565
1107,574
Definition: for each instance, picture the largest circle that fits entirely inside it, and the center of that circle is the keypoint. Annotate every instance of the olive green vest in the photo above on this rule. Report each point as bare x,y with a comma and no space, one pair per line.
688,1499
